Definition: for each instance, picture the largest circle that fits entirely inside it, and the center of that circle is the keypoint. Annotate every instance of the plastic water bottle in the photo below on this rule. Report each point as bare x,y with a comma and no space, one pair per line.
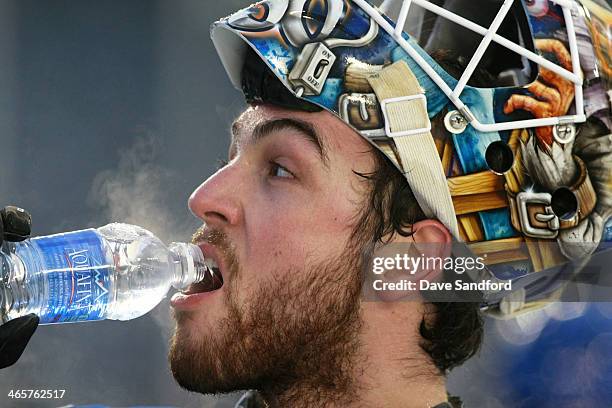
117,272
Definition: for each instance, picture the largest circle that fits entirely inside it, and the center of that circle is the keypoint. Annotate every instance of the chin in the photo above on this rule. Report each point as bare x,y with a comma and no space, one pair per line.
197,359
193,325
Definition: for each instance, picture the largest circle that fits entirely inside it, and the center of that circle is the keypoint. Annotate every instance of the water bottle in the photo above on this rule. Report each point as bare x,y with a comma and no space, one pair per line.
117,272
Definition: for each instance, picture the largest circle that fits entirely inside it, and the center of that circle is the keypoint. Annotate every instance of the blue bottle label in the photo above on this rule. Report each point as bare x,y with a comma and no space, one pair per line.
77,273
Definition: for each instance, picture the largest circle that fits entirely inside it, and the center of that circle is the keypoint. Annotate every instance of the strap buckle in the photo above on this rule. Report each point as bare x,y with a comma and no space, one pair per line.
536,224
362,112
405,132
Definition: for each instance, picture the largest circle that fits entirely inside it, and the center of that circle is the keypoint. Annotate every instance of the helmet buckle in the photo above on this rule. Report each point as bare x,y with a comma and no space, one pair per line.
362,111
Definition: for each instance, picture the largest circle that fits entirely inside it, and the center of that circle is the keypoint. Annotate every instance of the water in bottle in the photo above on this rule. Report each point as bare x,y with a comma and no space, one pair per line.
118,272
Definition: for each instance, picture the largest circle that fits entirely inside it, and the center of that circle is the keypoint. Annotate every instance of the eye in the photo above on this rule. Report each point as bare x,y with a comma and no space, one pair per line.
276,170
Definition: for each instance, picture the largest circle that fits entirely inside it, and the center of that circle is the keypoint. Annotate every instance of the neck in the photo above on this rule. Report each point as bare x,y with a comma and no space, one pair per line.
418,392
388,368
305,394
400,372
321,378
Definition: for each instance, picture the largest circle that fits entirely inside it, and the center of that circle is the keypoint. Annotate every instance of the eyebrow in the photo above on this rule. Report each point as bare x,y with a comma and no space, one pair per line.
303,128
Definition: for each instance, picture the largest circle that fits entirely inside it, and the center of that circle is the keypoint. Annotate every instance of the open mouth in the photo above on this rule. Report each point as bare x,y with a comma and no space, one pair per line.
213,278
211,282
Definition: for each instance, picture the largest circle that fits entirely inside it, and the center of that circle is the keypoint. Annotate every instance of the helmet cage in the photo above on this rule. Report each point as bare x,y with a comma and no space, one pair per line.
489,35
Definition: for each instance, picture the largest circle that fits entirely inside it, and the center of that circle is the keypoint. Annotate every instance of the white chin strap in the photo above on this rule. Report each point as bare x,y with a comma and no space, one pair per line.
404,107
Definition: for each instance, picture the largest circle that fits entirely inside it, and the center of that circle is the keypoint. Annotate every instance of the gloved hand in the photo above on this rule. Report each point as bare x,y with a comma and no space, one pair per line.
15,225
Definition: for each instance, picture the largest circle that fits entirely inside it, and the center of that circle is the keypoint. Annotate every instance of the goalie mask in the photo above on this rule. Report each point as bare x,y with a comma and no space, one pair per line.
520,170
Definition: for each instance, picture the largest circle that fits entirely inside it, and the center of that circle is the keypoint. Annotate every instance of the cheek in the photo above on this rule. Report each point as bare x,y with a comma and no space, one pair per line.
280,239
281,242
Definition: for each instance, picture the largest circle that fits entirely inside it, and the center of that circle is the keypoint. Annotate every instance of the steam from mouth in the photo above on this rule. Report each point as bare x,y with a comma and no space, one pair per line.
136,191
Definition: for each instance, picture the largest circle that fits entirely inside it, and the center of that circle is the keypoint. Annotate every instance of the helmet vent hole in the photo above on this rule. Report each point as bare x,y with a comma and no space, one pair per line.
564,203
499,157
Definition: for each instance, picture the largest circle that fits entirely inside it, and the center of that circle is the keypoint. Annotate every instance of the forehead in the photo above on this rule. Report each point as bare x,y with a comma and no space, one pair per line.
336,136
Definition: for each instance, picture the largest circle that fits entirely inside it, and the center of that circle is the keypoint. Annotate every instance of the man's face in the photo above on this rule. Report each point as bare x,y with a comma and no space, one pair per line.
278,219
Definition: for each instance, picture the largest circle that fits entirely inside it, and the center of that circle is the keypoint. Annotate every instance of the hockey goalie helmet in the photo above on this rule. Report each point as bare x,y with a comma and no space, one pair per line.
519,169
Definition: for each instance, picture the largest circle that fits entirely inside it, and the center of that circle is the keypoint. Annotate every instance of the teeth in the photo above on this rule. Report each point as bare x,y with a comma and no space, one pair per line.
211,263
217,275
214,268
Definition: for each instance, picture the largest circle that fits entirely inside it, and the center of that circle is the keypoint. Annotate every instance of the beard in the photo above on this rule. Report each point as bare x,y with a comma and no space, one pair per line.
296,339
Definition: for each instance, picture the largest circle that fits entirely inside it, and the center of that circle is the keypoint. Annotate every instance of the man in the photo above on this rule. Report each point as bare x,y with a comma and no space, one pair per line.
312,192
307,197
287,219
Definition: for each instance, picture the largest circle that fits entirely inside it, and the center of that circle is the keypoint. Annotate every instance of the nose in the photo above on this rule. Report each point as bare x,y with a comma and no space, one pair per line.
217,200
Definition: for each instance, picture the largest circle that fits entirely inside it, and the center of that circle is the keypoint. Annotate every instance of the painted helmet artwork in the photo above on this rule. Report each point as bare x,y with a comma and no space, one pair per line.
497,113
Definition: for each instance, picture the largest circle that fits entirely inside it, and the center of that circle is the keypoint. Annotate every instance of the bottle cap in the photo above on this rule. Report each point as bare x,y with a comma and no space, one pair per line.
191,264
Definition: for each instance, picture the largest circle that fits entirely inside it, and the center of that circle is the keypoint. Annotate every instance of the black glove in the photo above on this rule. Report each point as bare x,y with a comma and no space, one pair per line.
15,226
14,337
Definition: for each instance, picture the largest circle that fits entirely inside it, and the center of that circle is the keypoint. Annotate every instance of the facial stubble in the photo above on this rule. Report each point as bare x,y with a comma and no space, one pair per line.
295,339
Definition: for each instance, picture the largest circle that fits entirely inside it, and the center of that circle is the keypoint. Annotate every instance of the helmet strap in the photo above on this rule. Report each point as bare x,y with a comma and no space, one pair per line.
404,107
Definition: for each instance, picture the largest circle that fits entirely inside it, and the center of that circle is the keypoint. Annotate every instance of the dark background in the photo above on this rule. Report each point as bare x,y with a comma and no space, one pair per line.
116,110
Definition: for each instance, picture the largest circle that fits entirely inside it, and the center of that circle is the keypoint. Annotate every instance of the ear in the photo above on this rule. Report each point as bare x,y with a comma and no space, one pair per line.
431,231
429,244
431,238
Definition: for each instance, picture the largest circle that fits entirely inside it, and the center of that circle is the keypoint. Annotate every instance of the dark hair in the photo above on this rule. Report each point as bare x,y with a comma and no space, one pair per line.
454,330
453,333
